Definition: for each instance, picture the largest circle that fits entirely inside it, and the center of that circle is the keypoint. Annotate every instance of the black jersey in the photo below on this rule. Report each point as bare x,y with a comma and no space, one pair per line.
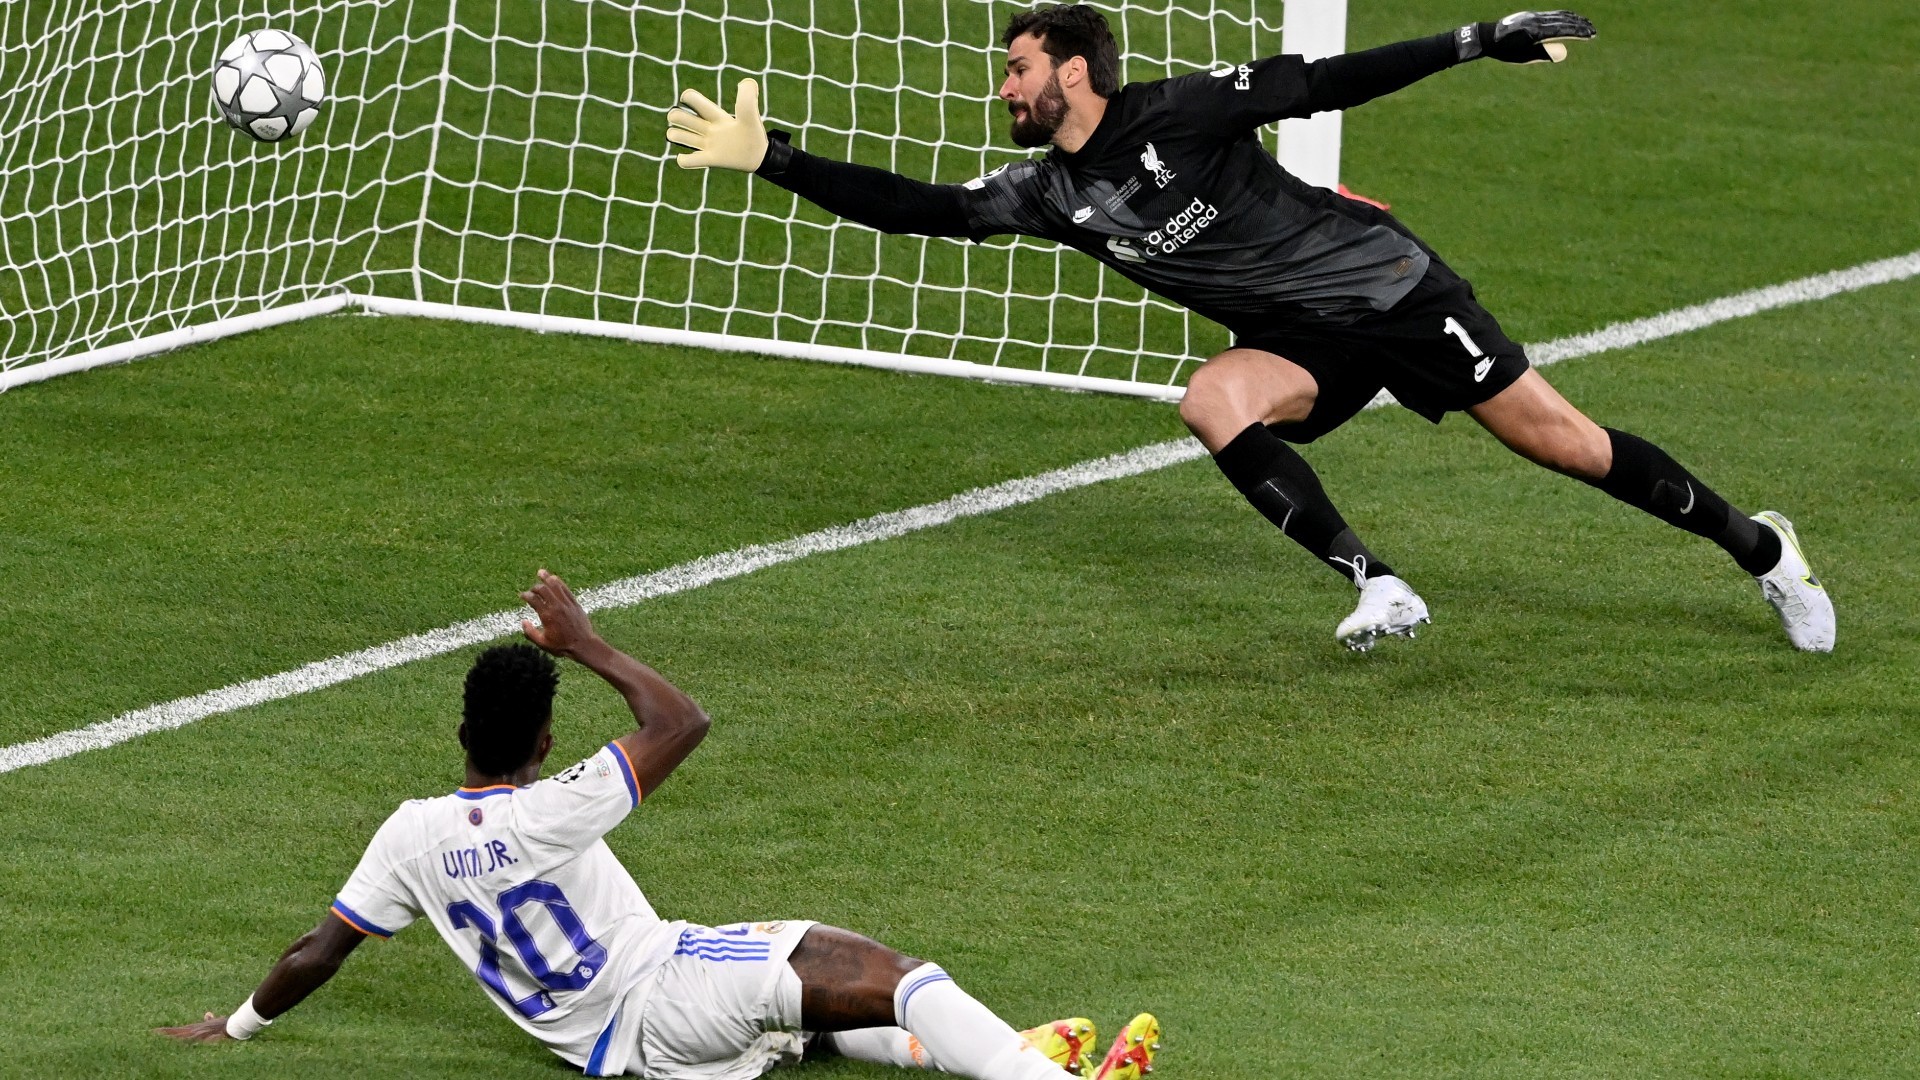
1175,191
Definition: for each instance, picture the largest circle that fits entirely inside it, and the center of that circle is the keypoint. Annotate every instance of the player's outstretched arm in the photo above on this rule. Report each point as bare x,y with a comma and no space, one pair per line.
306,965
873,197
1284,86
670,723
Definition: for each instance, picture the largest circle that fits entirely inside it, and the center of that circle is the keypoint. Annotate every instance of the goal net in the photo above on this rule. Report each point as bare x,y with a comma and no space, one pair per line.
503,161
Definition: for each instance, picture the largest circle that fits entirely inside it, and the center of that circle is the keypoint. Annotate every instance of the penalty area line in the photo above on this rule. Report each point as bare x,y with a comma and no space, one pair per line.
742,561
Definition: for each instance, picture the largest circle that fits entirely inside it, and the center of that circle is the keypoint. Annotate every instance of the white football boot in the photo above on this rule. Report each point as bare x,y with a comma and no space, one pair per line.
1388,607
1806,611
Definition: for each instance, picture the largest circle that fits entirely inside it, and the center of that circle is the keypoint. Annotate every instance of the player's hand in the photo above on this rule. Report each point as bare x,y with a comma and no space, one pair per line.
1524,37
564,626
720,141
211,1030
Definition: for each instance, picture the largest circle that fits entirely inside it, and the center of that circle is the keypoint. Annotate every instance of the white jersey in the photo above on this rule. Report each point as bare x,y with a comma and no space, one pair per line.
521,886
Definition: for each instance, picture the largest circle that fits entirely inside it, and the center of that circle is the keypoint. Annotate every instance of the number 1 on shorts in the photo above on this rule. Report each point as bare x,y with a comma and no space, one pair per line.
1453,327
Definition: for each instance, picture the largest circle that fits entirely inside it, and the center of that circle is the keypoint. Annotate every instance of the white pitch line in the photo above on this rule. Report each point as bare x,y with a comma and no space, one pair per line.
1682,320
623,593
692,575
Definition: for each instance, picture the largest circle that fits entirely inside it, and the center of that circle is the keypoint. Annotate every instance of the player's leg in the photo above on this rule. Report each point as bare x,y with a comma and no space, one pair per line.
1451,354
1533,420
1447,353
1068,1043
874,1003
846,996
1239,404
1230,401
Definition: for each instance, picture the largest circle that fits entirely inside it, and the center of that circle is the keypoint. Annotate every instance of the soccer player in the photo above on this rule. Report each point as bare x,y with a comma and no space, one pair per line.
512,871
1329,299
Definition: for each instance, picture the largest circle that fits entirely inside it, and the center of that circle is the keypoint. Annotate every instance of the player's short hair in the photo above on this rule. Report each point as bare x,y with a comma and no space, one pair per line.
1069,30
508,699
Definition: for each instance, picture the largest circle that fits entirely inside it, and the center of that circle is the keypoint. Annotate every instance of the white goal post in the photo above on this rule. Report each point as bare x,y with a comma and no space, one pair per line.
502,162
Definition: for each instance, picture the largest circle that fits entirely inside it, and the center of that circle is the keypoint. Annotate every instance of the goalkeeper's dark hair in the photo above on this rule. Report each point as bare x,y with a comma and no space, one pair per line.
508,699
1069,30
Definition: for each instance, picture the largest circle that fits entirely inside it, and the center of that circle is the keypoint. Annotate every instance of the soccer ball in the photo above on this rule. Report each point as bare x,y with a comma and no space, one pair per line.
269,85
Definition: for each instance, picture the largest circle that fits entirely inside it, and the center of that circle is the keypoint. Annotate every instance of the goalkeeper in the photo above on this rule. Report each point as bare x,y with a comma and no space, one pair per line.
1329,299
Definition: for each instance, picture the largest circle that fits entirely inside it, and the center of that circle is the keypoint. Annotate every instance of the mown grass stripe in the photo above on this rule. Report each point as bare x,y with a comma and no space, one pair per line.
623,593
742,561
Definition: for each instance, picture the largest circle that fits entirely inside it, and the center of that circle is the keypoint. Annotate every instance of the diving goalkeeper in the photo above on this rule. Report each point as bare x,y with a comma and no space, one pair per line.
1329,299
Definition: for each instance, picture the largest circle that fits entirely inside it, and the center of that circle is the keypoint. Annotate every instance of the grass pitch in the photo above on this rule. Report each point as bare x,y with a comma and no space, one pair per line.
1095,754
1098,753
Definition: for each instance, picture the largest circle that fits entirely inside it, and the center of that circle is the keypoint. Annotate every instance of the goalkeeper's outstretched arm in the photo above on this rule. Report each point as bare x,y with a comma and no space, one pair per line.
1288,86
873,197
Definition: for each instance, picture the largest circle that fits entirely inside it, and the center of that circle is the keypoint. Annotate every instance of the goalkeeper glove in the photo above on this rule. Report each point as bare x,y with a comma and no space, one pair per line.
720,141
1524,37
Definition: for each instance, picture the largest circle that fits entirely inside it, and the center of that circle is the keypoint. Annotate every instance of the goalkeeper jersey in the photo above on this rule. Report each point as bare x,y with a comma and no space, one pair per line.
1175,191
521,886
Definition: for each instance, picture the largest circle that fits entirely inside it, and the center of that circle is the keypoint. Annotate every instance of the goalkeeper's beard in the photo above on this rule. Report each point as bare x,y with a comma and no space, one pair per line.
1044,116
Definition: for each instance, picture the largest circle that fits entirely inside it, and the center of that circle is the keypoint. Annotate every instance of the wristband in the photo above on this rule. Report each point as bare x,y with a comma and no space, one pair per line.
246,1021
1470,41
779,154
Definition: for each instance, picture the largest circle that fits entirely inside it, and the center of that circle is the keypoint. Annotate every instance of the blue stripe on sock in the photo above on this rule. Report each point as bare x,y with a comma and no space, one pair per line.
926,980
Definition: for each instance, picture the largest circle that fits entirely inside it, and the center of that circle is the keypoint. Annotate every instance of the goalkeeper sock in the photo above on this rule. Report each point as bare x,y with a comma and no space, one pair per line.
1282,486
1644,476
881,1046
962,1035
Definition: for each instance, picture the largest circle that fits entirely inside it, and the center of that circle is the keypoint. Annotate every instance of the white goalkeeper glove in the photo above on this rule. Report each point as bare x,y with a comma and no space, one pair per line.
719,141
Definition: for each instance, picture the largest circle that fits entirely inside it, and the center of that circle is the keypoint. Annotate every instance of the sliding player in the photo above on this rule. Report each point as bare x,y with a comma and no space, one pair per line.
1329,299
512,871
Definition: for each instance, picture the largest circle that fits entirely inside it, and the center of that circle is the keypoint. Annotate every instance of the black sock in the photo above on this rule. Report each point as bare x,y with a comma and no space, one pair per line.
1644,476
1281,485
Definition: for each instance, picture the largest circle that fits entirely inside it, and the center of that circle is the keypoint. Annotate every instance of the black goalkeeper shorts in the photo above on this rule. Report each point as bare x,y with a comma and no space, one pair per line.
1437,351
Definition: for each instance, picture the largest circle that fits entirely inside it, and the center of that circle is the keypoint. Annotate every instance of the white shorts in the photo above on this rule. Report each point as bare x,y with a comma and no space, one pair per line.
725,1007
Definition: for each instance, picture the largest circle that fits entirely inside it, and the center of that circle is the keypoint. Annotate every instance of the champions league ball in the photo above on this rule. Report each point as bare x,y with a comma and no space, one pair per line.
269,85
